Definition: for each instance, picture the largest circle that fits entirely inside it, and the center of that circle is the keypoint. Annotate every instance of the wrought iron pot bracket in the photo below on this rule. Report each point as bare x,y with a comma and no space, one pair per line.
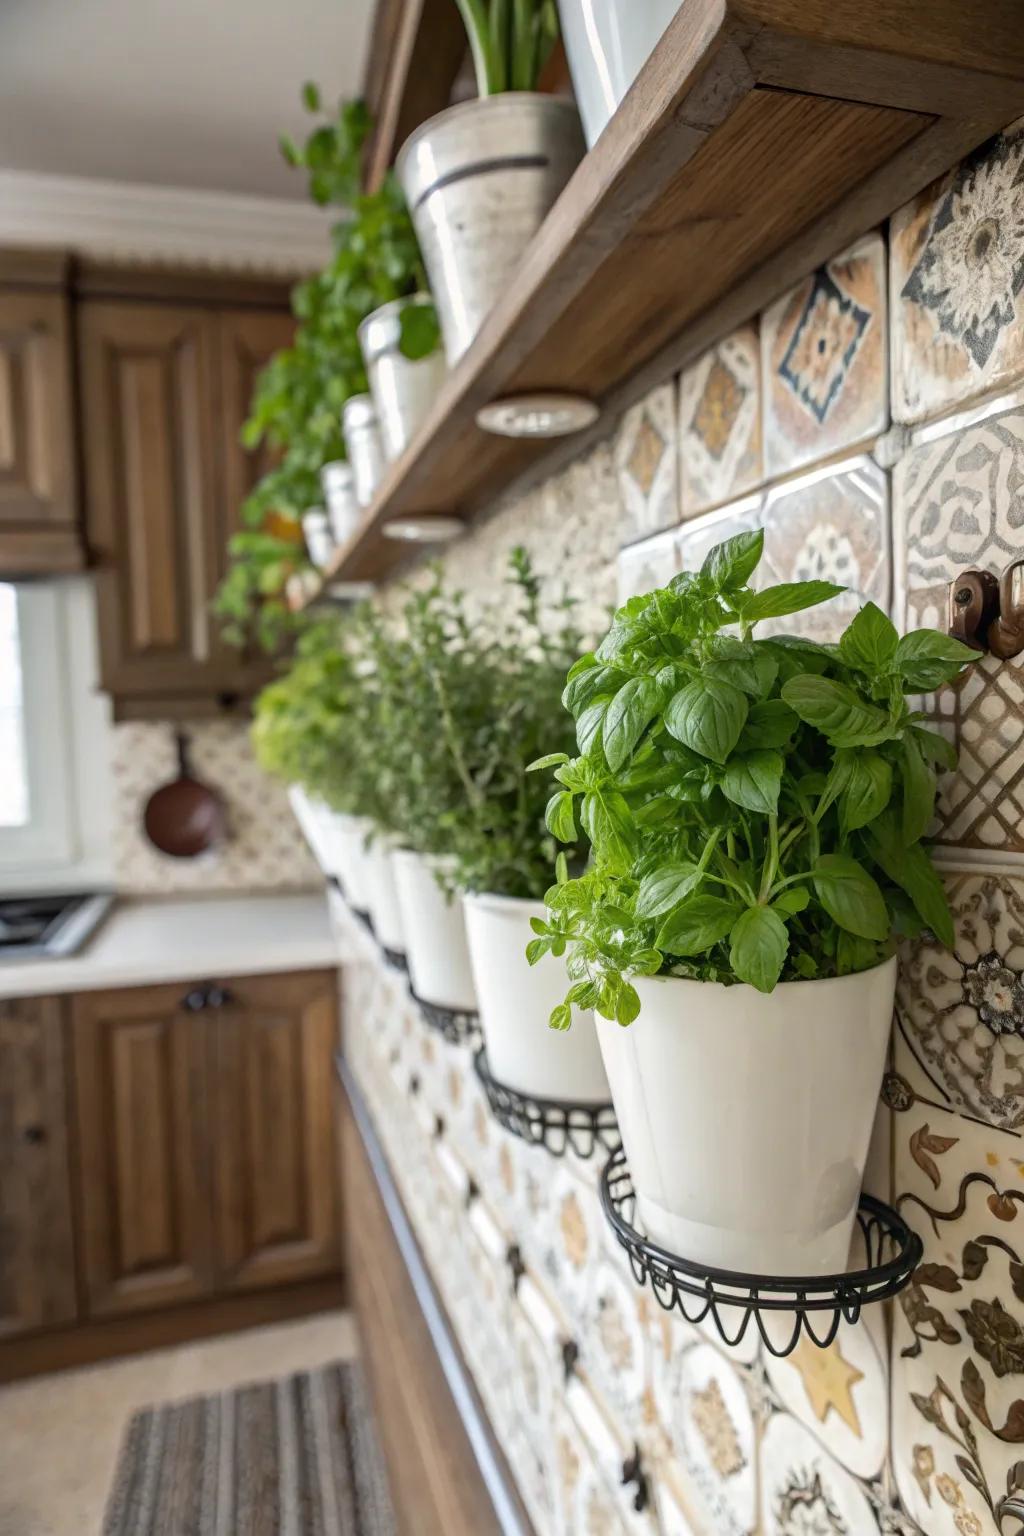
556,1125
782,1308
459,1026
986,612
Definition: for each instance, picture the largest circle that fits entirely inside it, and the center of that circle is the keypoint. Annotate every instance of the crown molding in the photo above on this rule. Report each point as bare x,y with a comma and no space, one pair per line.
122,221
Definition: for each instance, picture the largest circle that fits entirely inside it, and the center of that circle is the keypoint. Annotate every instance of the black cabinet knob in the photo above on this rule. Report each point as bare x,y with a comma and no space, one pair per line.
195,1000
35,1135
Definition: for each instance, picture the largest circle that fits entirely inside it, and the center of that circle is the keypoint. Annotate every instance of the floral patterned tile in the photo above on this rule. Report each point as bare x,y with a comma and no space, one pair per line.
824,360
831,525
714,1440
961,1012
646,566
696,539
959,503
720,423
957,276
805,1491
958,1341
646,463
614,1342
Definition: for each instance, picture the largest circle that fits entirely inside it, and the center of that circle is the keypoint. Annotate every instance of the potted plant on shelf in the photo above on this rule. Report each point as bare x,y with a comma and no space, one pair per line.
481,177
607,43
755,809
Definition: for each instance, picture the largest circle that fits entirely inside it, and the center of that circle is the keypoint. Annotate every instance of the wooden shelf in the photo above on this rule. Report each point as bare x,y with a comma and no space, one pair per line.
759,139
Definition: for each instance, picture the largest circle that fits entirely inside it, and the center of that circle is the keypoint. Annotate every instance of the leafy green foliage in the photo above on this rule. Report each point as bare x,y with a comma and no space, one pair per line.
755,807
298,399
510,40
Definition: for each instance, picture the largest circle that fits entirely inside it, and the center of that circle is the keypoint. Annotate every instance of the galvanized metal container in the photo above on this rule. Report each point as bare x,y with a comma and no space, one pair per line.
316,530
403,388
361,431
339,487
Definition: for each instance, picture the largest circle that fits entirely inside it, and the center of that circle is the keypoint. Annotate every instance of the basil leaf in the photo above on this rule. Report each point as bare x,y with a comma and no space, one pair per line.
850,896
558,817
867,788
837,711
854,954
553,760
755,674
707,716
731,564
628,716
770,723
792,901
926,659
918,791
753,780
759,943
698,924
869,641
936,748
585,686
788,597
665,888
589,724
606,821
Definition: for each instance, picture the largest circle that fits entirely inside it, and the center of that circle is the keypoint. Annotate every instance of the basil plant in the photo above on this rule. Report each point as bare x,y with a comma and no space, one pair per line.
755,806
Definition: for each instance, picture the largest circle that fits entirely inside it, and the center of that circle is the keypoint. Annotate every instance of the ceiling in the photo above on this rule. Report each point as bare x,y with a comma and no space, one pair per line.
177,93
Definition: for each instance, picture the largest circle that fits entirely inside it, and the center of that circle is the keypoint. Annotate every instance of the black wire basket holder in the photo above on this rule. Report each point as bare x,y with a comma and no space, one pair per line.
556,1125
459,1026
395,958
730,1299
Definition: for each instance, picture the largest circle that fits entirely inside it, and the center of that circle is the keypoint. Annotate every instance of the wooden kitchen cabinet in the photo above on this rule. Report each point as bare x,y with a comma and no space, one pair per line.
141,1081
248,339
205,1139
274,1194
37,1270
39,514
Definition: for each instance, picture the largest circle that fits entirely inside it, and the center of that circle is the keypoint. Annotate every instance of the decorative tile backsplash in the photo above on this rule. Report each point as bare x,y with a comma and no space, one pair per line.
912,1422
265,850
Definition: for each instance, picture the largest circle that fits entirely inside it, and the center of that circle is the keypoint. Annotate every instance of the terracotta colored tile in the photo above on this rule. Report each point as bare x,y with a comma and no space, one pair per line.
957,276
647,465
831,525
720,423
824,361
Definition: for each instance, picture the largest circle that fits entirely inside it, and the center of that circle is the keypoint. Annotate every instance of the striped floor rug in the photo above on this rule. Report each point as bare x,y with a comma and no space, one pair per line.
297,1457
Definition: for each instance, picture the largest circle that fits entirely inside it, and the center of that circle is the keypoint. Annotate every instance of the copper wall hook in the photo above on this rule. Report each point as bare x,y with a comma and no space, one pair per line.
973,607
1006,632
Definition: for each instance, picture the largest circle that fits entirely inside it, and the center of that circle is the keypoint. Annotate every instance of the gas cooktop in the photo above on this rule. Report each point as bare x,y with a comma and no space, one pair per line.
49,927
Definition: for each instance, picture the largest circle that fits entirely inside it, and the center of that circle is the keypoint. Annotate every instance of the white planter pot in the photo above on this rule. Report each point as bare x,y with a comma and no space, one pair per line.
435,934
338,485
316,530
607,43
480,179
383,897
361,431
350,859
746,1117
309,815
403,389
516,1000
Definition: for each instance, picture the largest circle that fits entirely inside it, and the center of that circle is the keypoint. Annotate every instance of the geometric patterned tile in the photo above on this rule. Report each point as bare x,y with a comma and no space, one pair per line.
644,567
715,1441
824,360
720,423
831,525
959,502
957,280
962,1011
646,455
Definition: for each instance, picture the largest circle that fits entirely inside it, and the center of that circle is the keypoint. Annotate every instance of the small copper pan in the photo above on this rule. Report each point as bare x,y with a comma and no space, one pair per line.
185,817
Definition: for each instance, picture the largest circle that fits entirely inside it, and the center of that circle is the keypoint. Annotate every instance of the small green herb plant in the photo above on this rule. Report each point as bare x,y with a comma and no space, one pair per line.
755,806
510,40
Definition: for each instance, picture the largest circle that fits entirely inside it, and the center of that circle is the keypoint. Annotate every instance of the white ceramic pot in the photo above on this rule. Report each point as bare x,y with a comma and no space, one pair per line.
516,1000
361,431
383,896
480,179
350,833
607,43
403,389
435,934
309,815
316,530
746,1116
339,488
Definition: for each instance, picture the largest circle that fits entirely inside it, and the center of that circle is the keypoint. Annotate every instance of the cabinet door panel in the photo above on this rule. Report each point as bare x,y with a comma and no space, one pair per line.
153,512
275,1176
37,1272
140,1071
248,340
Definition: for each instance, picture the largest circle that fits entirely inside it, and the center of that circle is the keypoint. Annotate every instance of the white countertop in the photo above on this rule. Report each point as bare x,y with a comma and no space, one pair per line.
198,939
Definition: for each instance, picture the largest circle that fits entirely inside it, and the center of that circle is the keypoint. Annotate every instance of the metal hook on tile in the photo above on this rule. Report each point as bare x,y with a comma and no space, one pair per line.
570,1357
984,611
633,1472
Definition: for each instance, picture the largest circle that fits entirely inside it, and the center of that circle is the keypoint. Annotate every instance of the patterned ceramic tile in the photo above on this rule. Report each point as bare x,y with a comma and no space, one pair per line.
959,502
645,566
958,1343
957,276
824,362
265,849
962,1012
714,1437
831,525
720,423
614,1342
839,1394
697,538
646,463
804,1491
